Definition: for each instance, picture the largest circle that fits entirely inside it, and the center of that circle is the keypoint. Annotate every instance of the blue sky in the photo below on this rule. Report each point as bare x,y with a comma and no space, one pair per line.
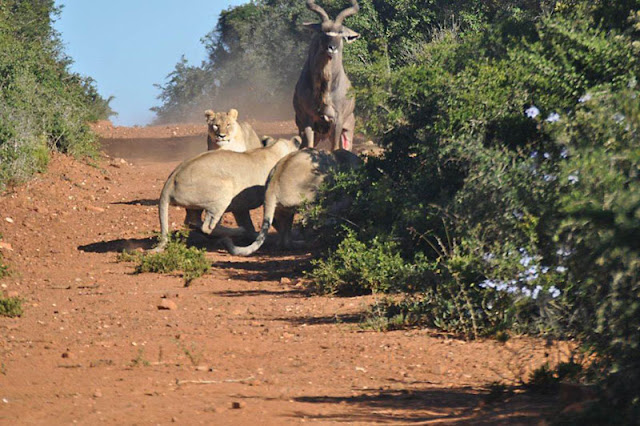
128,45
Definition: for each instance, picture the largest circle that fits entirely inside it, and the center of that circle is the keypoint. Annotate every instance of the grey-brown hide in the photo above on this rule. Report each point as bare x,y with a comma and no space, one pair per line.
322,99
220,181
292,182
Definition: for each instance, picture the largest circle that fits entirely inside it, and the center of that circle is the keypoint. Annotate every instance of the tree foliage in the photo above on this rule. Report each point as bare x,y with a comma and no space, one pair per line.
43,105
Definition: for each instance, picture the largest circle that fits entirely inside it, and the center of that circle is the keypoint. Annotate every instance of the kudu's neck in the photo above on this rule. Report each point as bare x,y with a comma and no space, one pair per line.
319,60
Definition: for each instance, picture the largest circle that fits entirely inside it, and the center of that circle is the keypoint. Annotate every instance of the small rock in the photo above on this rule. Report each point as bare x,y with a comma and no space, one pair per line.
5,246
8,219
13,294
237,405
95,209
68,355
202,368
285,281
97,394
167,304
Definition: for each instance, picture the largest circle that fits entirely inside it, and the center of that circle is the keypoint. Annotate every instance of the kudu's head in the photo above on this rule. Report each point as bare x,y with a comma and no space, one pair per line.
331,33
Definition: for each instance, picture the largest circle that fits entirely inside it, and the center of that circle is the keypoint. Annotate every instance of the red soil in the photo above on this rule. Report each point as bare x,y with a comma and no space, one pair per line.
245,343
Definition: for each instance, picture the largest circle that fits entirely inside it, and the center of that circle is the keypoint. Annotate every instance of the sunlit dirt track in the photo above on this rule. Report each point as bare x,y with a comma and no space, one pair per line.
244,344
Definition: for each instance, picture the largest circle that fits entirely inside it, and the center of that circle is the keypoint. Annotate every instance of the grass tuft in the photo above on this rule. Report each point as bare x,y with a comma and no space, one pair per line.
176,257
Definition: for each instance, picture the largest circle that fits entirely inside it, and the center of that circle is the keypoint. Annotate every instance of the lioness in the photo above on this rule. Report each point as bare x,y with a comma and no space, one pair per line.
220,181
226,132
293,181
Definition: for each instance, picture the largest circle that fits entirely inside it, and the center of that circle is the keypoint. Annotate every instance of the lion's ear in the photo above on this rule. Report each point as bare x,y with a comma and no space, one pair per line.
297,141
267,141
209,114
233,113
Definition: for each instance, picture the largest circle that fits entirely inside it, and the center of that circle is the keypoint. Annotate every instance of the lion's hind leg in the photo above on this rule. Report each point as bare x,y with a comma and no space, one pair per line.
212,217
193,218
243,219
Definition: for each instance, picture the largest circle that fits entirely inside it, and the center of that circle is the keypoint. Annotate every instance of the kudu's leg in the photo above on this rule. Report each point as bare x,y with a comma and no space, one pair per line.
307,137
336,134
347,132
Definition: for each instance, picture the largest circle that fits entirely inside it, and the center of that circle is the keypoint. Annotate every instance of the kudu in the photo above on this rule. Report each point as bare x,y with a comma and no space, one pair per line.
322,100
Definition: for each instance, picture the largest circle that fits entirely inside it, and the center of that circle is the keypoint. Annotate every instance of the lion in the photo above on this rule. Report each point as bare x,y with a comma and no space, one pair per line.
293,181
220,181
226,132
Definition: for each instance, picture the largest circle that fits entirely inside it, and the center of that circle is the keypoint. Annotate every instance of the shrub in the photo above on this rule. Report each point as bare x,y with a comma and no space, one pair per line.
43,106
4,269
357,268
176,257
10,307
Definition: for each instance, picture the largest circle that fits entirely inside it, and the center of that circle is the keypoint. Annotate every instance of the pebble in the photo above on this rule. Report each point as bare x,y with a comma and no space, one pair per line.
237,405
167,304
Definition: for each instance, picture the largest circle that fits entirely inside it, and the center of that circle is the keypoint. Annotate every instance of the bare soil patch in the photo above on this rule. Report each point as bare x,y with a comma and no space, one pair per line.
243,344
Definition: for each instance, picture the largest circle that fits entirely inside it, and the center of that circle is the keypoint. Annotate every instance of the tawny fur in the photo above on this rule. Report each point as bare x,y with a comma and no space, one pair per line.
292,182
226,132
220,181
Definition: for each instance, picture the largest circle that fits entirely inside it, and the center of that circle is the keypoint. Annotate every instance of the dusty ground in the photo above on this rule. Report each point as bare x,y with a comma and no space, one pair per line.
245,344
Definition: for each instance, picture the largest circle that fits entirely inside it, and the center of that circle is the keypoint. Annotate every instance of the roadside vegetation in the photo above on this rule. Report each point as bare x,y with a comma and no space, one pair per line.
176,257
507,199
10,306
43,106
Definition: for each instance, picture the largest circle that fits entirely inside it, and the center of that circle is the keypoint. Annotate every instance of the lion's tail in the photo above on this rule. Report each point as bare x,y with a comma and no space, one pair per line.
163,212
269,211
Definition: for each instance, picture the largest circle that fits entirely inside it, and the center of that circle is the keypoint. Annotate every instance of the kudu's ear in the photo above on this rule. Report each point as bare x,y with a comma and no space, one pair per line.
209,114
349,35
313,26
233,113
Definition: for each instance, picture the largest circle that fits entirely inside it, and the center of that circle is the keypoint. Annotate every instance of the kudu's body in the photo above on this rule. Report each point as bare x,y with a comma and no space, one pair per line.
322,100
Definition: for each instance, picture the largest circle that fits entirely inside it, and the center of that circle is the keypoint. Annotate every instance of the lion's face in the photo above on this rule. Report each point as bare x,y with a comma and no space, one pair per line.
222,125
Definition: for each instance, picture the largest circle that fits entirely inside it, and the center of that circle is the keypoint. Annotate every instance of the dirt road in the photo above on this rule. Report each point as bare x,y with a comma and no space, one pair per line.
244,344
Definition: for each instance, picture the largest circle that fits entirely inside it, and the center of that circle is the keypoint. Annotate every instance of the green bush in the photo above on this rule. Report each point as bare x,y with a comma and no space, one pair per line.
4,269
176,257
10,307
357,268
43,106
599,234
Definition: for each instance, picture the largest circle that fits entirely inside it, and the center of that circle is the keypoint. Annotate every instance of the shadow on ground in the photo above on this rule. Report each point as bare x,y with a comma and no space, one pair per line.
141,202
464,406
119,245
195,239
254,293
266,268
323,320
